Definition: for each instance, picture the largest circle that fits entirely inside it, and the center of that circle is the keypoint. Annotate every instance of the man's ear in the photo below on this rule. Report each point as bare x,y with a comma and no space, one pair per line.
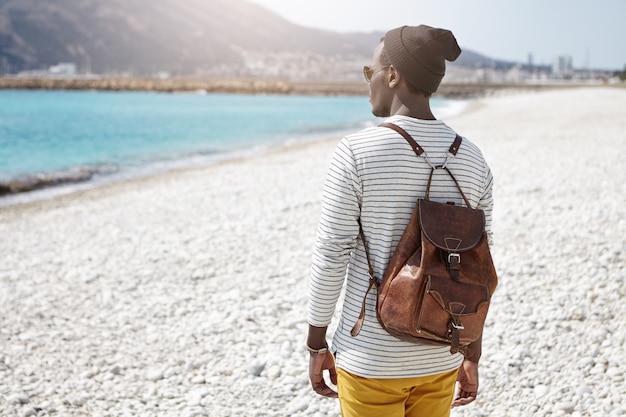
393,77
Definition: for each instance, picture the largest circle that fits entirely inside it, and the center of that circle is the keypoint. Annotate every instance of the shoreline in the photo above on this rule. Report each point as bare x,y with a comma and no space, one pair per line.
46,186
82,179
89,190
49,184
269,86
23,192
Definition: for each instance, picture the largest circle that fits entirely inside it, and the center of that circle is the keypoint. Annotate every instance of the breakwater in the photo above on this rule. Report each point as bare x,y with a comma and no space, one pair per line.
252,86
148,84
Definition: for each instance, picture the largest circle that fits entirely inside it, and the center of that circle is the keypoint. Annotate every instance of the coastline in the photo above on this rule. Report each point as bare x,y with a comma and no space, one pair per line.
81,191
185,293
23,192
193,129
93,173
268,86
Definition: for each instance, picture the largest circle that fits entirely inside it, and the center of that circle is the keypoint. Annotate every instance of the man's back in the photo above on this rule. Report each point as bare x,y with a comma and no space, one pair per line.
376,177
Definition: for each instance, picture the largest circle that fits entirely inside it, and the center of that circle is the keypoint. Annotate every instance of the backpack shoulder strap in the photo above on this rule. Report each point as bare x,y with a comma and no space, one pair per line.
419,151
416,147
454,148
373,282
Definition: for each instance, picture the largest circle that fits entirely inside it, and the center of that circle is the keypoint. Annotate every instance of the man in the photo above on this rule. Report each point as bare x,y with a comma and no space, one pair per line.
375,178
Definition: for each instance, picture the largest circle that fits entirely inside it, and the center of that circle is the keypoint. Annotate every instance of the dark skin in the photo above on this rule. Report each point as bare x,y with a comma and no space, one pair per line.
389,96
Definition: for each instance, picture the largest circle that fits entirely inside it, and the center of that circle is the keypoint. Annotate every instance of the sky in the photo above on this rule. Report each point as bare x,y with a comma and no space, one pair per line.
592,32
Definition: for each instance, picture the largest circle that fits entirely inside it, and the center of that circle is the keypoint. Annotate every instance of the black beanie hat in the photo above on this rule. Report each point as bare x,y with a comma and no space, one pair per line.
419,53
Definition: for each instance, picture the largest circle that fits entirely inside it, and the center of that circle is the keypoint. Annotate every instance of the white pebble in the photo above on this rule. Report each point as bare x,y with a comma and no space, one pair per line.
274,372
540,390
154,375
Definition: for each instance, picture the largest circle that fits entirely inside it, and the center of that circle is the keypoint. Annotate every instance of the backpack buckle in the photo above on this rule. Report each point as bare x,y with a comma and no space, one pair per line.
454,264
458,326
454,258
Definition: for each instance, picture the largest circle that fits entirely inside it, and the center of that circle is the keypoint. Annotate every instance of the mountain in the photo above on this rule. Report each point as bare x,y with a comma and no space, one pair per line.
186,38
139,36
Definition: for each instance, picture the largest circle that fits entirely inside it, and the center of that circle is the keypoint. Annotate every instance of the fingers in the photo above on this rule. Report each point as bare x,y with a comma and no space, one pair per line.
459,402
467,384
462,401
320,386
463,398
333,375
317,365
322,389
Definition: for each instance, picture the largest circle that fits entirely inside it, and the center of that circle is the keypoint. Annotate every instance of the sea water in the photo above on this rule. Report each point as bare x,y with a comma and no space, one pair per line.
88,136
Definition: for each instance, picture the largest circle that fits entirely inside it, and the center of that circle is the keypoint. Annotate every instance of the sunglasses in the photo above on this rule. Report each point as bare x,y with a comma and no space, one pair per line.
368,72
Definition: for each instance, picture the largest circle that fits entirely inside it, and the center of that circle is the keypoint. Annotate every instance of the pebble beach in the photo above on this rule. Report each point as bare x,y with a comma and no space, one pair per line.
184,293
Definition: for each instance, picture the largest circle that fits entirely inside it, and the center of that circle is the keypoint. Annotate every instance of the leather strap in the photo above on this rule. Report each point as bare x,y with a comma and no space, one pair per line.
454,148
369,263
356,329
458,186
454,346
373,283
416,147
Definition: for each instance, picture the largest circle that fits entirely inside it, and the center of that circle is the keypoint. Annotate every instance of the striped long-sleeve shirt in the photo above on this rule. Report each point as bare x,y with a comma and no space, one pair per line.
375,176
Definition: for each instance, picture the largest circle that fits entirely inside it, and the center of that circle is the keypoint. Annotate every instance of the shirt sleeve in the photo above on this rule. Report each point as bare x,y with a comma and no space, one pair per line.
336,235
486,204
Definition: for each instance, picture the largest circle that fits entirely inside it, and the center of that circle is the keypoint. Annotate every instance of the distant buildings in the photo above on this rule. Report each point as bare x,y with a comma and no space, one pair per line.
67,69
62,69
562,66
314,67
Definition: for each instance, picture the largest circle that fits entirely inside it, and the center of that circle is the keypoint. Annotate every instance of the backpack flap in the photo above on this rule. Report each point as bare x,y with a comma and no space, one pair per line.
449,227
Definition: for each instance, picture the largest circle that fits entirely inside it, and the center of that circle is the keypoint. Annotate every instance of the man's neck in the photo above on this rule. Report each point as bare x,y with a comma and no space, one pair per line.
416,113
414,106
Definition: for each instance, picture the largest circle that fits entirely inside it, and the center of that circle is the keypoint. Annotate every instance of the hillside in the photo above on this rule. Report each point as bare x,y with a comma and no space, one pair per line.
163,35
184,38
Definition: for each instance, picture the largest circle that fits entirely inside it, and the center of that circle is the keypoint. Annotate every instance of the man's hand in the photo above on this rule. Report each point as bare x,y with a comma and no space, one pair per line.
467,384
317,365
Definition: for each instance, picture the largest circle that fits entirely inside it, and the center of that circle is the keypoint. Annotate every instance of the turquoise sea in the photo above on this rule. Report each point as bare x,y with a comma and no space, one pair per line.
61,137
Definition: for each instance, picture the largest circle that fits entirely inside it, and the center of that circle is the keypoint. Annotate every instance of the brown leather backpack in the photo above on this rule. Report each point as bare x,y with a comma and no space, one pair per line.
439,282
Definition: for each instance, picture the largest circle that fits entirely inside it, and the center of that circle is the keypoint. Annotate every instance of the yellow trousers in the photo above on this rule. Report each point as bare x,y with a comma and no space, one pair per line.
425,396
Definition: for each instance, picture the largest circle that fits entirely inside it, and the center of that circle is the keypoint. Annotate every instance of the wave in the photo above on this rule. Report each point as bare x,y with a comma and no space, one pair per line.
36,181
31,187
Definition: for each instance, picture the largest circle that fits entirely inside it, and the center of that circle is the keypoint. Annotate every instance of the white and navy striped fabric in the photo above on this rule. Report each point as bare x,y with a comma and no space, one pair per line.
376,176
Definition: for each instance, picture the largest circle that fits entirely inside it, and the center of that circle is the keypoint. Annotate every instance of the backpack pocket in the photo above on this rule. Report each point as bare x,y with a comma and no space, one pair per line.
450,306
